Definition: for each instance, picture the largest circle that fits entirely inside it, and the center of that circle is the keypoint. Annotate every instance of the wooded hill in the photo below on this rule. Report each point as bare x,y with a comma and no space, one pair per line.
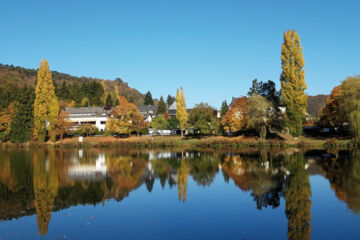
20,76
315,104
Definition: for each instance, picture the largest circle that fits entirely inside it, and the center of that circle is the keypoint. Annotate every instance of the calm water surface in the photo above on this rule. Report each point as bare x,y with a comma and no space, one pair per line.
111,194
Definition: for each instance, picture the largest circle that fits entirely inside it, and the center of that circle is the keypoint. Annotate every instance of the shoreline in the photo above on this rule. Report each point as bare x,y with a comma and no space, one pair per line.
214,142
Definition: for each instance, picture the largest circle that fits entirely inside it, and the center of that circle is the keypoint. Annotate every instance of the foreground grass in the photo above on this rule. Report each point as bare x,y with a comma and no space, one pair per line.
215,142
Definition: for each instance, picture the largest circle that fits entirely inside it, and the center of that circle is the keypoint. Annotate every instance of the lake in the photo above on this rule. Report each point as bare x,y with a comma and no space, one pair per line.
149,194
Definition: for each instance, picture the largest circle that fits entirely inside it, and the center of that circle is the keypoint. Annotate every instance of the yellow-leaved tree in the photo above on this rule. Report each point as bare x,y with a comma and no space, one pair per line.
293,84
181,112
46,106
106,93
125,118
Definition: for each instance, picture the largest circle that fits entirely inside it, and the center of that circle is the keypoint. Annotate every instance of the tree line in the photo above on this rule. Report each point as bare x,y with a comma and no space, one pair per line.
36,113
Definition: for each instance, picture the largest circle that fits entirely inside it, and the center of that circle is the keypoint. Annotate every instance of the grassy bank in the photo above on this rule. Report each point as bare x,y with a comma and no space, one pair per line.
217,142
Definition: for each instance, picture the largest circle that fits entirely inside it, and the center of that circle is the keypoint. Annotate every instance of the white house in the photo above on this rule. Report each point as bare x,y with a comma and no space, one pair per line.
96,116
148,112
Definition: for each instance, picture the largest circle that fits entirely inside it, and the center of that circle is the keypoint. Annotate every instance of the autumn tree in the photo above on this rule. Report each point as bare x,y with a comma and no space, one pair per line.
331,114
6,117
85,102
117,95
125,118
46,107
162,106
293,84
63,124
181,112
224,108
297,198
349,103
203,119
236,117
86,129
148,100
105,94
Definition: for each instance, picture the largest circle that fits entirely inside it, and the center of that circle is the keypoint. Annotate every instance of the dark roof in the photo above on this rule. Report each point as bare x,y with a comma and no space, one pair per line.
172,112
147,109
87,111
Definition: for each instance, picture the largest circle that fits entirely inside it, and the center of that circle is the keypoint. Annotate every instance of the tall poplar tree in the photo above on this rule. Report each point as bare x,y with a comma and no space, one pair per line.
46,106
293,82
181,113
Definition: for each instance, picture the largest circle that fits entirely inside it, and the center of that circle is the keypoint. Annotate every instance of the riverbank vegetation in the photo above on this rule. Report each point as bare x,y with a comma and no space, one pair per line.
37,115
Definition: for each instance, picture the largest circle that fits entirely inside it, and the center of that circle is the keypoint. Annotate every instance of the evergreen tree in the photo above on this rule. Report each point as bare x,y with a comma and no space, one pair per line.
224,108
8,94
46,107
109,102
76,94
162,106
22,123
255,88
148,101
265,89
181,112
293,82
170,100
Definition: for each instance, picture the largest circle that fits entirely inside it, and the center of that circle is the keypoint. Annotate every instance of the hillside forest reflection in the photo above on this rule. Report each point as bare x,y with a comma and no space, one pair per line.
45,181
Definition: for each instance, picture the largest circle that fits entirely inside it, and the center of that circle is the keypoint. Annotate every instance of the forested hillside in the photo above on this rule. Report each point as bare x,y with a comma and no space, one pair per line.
69,87
315,104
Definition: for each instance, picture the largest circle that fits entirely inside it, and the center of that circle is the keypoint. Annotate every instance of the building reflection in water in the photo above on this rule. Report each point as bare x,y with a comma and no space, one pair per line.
42,181
88,171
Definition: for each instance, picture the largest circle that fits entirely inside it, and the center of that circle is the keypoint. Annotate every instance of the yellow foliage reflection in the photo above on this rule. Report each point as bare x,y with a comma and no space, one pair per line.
183,172
125,171
45,188
297,197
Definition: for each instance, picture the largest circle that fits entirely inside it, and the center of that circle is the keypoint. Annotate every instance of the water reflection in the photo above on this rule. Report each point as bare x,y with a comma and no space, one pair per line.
43,181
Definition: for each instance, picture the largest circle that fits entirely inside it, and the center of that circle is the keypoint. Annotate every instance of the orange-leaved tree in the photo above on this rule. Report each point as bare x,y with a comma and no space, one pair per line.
331,114
5,120
236,117
125,118
63,125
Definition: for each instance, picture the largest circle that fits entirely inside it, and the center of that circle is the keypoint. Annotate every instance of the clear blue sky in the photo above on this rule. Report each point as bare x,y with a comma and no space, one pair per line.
211,48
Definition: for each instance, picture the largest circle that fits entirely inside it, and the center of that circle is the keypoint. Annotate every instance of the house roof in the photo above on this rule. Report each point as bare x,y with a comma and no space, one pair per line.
87,111
148,108
172,106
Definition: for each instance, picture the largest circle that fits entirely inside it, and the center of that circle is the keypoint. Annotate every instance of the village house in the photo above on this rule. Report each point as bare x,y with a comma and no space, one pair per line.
172,110
148,112
96,116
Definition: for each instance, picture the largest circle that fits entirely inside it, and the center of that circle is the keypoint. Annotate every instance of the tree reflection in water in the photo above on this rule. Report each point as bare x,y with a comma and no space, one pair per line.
297,197
343,173
45,188
42,181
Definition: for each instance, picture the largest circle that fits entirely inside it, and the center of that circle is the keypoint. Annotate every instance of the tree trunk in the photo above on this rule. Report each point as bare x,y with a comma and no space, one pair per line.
182,134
